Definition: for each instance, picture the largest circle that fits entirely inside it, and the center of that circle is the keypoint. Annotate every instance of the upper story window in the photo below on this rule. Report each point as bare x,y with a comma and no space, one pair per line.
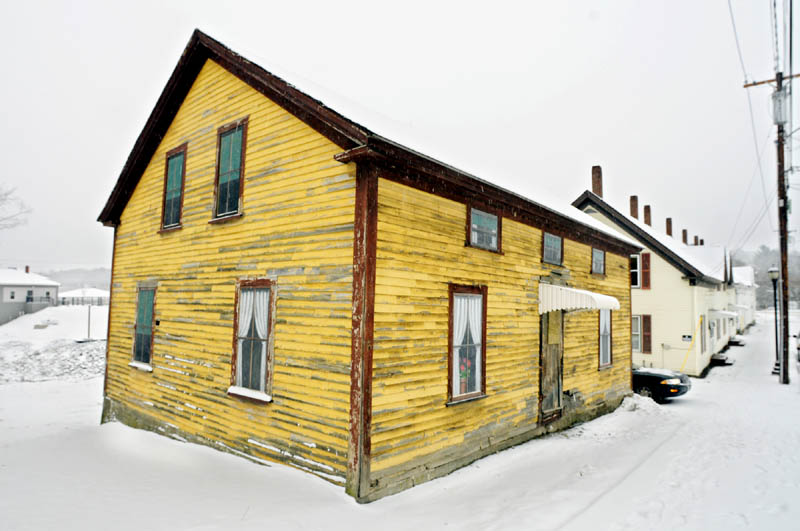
484,230
635,282
467,337
605,338
231,143
12,295
598,261
173,187
552,249
143,340
253,329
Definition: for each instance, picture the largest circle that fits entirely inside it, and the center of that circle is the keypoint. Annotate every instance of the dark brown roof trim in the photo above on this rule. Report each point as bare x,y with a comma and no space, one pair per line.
589,198
341,131
414,169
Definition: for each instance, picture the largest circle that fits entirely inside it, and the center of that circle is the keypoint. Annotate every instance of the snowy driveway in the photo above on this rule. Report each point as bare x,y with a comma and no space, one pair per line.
725,456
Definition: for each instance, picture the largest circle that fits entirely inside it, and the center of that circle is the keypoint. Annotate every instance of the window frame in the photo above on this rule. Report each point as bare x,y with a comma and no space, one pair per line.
12,295
600,364
636,318
603,254
561,248
247,393
490,212
138,364
453,290
217,217
182,149
638,271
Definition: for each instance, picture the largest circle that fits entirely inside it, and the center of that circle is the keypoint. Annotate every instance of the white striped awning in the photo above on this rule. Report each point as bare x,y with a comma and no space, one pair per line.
553,298
722,313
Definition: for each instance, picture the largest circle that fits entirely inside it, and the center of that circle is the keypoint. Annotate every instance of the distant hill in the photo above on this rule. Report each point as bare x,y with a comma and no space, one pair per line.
82,278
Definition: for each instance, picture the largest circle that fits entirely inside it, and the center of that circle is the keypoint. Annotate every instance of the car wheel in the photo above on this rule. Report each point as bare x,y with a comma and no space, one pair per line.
645,391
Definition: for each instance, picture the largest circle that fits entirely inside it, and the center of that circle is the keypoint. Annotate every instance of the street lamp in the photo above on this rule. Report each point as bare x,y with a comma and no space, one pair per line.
774,273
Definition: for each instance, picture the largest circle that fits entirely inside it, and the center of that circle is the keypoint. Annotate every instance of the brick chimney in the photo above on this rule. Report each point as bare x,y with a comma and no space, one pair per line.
27,269
669,226
685,235
597,181
696,240
647,216
635,206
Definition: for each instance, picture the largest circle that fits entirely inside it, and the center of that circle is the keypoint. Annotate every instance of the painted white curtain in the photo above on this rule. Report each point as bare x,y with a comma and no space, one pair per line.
475,304
261,310
245,318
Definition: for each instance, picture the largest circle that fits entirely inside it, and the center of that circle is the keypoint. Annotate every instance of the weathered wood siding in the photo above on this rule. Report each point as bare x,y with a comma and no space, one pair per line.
297,229
421,248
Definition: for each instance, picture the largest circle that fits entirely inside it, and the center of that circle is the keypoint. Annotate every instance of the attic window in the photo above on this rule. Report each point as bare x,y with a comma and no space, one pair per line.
483,230
231,143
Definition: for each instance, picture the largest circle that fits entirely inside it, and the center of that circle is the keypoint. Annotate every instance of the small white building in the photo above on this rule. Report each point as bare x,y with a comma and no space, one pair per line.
94,296
744,282
24,292
681,294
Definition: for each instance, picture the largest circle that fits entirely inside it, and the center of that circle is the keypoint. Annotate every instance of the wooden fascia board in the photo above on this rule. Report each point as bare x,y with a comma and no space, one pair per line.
338,129
415,169
588,198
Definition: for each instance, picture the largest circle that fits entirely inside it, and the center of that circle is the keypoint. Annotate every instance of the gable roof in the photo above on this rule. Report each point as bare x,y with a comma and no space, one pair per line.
706,263
16,277
358,142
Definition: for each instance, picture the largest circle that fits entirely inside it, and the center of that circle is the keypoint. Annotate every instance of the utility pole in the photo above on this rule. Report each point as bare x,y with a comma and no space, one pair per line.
783,218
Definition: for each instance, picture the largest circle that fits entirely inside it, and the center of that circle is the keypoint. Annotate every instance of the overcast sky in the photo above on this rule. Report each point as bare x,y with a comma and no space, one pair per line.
530,94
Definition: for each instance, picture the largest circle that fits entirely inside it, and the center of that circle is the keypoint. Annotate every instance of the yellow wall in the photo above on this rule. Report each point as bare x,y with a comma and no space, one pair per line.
420,250
297,228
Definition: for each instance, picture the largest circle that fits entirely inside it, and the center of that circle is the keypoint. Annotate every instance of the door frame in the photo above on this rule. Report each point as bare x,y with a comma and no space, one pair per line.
549,416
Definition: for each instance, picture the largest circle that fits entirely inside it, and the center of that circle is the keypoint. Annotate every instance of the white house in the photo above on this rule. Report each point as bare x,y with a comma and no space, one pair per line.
744,282
97,297
24,292
681,294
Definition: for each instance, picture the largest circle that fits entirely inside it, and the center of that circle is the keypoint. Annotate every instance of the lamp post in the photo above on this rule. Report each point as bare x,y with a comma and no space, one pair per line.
774,273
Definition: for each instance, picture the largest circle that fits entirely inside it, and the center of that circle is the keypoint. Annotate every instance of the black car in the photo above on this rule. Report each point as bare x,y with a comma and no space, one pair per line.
660,384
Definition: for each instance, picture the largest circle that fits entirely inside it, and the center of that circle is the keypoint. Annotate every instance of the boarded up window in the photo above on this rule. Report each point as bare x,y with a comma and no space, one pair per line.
645,270
647,341
143,340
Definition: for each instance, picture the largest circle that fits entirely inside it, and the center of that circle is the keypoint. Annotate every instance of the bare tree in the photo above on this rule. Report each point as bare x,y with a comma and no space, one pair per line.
13,211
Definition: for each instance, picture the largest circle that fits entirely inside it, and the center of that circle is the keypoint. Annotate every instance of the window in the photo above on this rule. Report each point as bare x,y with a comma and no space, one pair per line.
645,270
718,328
231,143
173,187
635,271
143,340
484,230
551,252
605,338
29,296
702,333
12,295
636,333
598,261
253,326
467,342
724,327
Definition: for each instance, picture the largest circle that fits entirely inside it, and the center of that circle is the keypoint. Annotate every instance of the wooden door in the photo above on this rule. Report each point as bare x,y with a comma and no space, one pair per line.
551,354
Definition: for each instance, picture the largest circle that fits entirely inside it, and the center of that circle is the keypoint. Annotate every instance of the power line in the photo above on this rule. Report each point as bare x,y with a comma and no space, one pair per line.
750,109
747,192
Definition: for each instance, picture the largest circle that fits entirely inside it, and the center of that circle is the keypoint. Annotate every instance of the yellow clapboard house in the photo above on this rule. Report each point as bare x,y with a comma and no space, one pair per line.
288,285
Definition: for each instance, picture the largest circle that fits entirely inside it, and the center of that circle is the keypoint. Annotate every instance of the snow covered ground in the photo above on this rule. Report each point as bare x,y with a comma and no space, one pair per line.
724,456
